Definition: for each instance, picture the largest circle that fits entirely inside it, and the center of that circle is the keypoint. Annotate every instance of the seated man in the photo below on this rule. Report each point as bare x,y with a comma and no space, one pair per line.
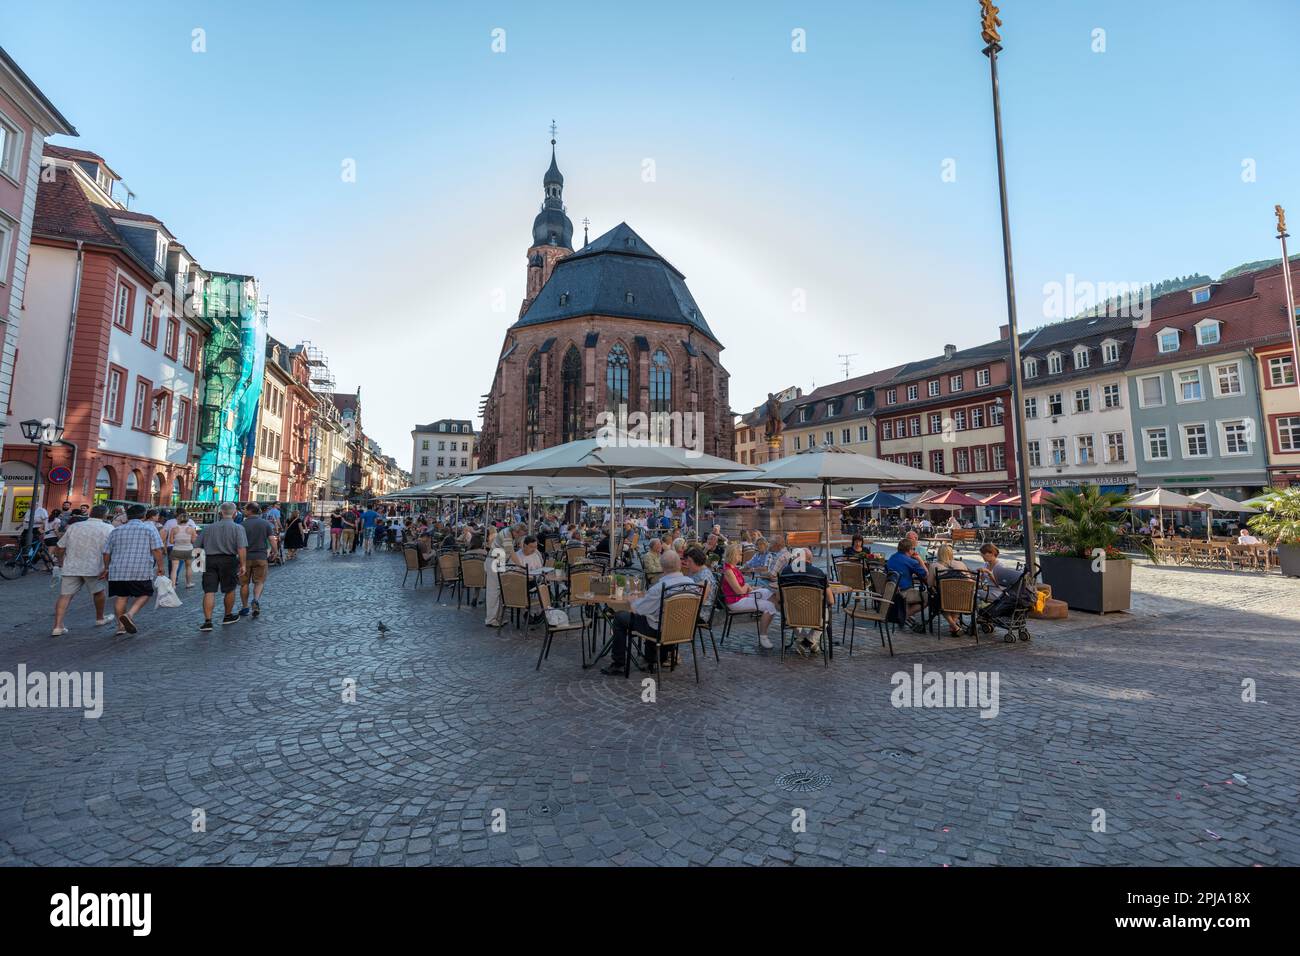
644,615
800,569
911,573
651,561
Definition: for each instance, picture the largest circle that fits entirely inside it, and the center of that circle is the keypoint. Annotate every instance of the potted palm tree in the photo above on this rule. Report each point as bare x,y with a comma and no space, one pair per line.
1278,523
1083,564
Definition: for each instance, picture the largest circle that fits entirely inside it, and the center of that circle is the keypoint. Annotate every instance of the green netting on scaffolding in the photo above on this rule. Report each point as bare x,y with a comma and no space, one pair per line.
234,360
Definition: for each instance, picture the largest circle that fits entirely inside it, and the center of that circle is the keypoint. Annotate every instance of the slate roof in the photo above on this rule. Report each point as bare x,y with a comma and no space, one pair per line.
1062,337
596,279
963,358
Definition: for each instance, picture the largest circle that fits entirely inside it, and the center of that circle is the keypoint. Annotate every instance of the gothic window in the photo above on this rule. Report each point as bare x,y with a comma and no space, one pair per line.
571,389
616,378
532,401
661,391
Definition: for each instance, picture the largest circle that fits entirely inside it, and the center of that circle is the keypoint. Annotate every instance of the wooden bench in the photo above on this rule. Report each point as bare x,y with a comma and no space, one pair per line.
803,539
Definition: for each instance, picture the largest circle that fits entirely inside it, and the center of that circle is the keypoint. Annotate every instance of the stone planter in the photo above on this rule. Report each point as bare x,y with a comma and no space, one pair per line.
1288,556
1075,582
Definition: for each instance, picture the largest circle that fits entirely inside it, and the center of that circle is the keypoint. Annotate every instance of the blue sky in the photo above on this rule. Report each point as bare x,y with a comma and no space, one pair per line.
775,171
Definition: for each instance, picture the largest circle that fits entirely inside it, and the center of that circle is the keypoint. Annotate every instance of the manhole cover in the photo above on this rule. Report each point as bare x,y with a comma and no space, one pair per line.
803,781
897,753
543,808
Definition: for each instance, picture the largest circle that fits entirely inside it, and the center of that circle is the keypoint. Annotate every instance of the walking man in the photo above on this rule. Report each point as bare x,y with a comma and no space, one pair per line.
368,519
349,530
260,537
80,552
225,548
133,557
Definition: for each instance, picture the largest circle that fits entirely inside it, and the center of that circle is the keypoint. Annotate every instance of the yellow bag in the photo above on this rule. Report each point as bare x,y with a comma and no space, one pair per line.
1040,601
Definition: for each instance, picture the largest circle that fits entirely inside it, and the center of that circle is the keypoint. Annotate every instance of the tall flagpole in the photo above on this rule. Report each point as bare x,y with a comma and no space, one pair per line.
1290,295
989,24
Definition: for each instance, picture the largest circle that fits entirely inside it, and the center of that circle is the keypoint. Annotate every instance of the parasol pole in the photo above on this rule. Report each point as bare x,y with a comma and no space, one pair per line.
826,508
530,509
613,528
696,513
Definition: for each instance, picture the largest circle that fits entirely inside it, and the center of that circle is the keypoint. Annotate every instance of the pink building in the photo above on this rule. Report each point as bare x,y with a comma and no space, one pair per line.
26,119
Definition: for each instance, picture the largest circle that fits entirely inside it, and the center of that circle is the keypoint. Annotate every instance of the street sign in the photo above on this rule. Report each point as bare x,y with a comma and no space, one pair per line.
59,475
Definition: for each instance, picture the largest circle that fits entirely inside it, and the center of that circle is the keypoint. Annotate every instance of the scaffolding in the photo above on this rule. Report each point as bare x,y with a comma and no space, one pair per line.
234,361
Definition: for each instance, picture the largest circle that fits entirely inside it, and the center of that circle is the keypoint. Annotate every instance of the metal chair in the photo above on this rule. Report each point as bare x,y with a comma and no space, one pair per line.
877,612
413,564
552,629
679,613
805,606
449,574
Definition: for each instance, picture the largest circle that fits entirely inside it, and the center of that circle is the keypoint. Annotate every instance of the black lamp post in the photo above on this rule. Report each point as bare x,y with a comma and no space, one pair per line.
224,471
989,24
40,434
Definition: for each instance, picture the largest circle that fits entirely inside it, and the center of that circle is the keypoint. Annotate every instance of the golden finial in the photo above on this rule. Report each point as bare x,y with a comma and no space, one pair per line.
989,23
1281,221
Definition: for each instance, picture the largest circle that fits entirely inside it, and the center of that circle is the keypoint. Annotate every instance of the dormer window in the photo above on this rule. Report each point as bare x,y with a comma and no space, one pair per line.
564,298
1168,340
628,297
1081,359
160,252
1054,362
805,414
1031,368
1109,351
1207,332
1201,295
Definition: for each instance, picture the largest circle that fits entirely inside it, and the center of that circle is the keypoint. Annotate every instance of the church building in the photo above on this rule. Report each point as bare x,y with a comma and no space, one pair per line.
612,324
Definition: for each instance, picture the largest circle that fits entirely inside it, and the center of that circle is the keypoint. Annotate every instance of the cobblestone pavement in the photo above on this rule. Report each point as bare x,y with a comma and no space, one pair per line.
1139,715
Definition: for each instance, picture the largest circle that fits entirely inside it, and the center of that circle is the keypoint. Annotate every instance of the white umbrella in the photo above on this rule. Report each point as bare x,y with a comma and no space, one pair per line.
693,484
1212,501
1160,499
835,466
614,455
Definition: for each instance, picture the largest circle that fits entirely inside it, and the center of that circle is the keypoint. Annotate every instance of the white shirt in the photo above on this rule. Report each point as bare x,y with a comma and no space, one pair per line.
533,562
83,547
1246,538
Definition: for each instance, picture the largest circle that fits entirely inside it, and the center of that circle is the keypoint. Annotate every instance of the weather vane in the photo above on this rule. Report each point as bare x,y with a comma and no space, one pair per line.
585,223
553,128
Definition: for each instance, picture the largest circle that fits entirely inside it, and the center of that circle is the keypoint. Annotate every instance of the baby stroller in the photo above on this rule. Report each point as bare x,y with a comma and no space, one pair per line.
1009,610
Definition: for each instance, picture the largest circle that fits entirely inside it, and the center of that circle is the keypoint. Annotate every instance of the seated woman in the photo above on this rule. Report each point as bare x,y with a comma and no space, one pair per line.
741,597
946,562
855,549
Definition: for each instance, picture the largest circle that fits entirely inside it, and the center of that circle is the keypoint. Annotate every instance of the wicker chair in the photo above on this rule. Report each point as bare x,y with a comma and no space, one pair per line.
516,595
804,606
955,593
413,564
679,615
449,574
851,574
473,575
876,612
575,554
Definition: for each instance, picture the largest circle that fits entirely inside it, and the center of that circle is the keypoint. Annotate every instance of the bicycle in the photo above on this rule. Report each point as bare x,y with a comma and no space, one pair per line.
16,562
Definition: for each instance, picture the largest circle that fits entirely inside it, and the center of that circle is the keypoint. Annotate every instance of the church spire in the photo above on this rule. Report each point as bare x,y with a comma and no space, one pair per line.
552,227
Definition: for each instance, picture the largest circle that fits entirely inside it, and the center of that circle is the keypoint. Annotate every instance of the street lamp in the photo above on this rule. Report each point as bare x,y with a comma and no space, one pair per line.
224,471
39,433
989,23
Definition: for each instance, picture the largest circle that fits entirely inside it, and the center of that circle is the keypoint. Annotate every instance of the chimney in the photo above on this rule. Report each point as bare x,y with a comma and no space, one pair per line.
949,351
1004,333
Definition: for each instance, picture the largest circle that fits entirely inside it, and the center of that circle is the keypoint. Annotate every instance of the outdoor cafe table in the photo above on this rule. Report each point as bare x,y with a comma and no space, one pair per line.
614,605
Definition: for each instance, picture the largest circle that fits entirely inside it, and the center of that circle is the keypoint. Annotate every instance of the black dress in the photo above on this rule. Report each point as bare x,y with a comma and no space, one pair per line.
294,539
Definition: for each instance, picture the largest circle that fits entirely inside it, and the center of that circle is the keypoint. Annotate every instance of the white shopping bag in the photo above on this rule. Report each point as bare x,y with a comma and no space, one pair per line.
198,561
166,592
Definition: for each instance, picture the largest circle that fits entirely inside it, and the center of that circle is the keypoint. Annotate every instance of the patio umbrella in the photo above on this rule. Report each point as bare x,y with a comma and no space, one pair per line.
1039,496
788,502
831,465
878,499
1212,501
1159,499
614,455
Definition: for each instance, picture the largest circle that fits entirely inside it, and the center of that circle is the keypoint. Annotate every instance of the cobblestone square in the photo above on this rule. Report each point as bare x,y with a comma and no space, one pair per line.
1140,715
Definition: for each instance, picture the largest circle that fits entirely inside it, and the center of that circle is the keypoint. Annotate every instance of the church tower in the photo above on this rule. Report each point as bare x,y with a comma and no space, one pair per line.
552,232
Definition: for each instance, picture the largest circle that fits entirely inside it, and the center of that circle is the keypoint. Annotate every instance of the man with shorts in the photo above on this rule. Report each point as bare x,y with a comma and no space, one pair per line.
348,543
225,556
260,534
368,519
133,557
80,553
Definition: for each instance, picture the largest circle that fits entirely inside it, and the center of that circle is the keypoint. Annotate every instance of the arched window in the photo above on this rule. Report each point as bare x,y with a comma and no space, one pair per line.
532,401
571,389
178,492
661,397
103,485
156,490
616,371
132,486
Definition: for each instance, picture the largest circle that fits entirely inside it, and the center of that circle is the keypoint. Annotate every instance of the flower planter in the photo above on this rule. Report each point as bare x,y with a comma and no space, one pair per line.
1075,582
1288,556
